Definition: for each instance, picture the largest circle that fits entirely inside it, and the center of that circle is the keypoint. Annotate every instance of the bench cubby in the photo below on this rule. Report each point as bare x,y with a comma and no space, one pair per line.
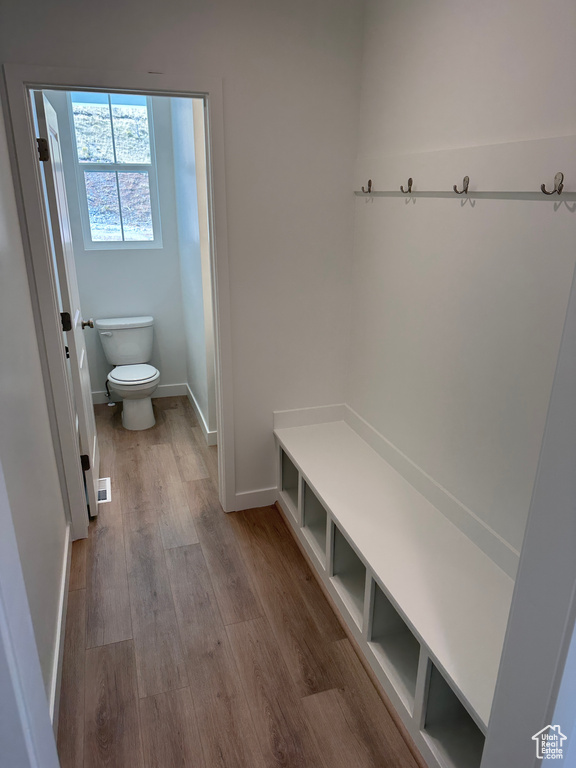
289,483
314,523
348,576
394,645
449,728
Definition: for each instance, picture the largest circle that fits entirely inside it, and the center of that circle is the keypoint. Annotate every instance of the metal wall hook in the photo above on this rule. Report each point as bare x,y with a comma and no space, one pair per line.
367,191
465,184
409,190
558,185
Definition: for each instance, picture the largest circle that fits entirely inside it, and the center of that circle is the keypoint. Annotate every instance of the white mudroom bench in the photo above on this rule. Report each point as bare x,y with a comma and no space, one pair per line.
427,607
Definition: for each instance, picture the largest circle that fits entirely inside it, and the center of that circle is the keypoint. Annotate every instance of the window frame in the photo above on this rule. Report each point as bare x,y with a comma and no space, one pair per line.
149,168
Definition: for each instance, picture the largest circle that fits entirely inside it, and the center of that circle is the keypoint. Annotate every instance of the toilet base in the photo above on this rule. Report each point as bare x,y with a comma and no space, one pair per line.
138,414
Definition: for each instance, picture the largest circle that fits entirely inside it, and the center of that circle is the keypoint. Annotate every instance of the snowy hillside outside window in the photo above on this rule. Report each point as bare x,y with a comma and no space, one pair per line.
116,172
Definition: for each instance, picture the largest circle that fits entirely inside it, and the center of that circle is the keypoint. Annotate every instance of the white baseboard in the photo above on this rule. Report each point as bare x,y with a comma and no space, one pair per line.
488,540
171,390
302,417
211,436
54,697
264,497
164,390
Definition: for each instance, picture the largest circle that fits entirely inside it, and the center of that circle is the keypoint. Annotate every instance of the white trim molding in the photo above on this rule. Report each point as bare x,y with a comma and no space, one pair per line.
264,497
211,436
302,417
54,697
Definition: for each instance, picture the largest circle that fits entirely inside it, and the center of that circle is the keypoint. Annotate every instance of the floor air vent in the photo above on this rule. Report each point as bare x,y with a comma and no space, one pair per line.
104,490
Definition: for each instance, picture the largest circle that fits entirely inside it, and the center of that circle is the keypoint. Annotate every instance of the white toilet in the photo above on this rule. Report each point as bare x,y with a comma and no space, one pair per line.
127,343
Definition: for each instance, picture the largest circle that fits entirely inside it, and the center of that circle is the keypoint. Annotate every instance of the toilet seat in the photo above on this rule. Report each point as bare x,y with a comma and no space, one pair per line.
135,384
132,375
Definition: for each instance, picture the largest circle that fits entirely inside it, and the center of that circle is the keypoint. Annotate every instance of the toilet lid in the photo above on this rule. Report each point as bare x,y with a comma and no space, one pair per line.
133,374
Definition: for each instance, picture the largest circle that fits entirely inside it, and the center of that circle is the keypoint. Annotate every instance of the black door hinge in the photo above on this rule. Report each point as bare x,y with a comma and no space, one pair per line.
67,353
43,150
85,462
66,321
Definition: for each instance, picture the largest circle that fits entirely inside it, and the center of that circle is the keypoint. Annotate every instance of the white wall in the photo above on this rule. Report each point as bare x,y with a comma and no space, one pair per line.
132,282
26,452
458,308
198,325
447,74
530,692
290,74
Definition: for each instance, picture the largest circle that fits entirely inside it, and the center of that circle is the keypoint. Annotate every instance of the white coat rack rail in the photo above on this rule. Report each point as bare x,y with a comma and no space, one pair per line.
558,189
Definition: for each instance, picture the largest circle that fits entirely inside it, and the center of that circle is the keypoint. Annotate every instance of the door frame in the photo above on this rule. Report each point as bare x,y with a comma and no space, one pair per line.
19,81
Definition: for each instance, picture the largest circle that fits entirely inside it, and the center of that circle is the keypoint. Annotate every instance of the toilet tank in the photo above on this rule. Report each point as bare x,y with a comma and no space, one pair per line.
126,340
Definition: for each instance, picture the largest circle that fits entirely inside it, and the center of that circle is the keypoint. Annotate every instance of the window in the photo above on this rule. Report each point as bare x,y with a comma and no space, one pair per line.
114,151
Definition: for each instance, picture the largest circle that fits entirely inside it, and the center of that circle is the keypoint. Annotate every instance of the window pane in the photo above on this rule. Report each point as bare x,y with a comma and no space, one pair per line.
131,132
103,207
93,127
136,207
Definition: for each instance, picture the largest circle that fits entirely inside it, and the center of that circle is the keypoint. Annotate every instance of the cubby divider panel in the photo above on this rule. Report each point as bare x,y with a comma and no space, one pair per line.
395,647
349,576
449,728
314,523
290,480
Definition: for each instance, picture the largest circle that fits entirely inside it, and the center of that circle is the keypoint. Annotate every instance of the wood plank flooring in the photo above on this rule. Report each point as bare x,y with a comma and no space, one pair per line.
196,639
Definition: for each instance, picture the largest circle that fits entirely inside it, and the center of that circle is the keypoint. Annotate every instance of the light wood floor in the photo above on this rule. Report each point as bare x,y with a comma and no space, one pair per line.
202,640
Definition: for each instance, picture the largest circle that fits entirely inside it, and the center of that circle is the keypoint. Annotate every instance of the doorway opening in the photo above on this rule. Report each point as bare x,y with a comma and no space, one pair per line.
140,220
135,188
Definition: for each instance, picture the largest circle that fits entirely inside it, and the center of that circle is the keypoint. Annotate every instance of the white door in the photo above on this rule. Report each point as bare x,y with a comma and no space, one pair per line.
64,255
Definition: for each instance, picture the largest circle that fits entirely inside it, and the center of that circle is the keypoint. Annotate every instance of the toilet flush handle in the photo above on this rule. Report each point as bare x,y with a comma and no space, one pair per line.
105,333
88,323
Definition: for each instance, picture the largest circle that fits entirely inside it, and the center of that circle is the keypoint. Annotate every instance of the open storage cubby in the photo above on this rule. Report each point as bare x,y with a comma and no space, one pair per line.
290,481
395,647
348,576
449,728
314,524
